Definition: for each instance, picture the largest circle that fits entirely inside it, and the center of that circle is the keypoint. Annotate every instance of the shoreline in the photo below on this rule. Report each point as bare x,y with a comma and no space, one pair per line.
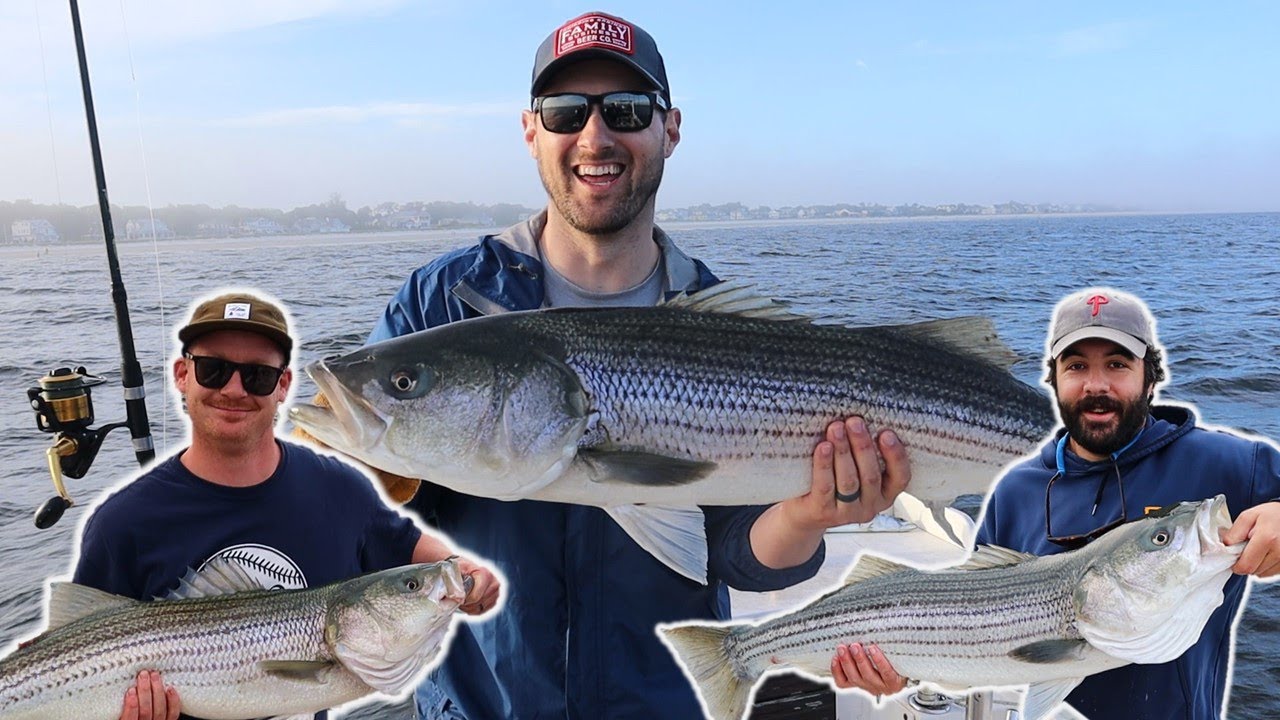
69,247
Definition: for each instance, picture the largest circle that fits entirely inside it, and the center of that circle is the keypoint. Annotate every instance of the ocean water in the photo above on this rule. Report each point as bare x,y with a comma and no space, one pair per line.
1211,280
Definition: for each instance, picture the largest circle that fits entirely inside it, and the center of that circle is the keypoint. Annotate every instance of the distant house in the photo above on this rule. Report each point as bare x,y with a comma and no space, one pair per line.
213,230
147,229
260,226
33,232
406,220
320,226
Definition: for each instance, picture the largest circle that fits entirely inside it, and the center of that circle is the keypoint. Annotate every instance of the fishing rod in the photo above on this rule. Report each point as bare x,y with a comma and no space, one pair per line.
62,399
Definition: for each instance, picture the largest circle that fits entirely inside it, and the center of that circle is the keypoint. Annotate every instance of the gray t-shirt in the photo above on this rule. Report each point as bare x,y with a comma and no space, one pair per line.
560,292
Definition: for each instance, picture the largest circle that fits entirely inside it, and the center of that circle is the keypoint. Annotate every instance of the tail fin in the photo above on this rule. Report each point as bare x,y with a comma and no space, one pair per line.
700,649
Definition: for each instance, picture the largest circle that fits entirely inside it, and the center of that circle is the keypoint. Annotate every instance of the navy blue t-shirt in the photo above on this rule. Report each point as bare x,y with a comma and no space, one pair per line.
316,520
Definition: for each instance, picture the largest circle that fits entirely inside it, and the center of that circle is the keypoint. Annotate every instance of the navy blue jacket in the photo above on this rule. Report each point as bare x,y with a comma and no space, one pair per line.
1172,461
576,636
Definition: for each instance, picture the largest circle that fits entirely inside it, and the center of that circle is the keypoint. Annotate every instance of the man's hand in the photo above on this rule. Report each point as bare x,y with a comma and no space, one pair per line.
848,484
484,591
149,699
846,462
866,669
1260,525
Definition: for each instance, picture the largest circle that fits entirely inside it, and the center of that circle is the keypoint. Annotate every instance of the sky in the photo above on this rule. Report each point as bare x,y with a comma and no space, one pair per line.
1160,106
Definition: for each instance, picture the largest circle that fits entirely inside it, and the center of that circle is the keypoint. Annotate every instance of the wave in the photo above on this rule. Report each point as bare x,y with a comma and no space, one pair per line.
1237,387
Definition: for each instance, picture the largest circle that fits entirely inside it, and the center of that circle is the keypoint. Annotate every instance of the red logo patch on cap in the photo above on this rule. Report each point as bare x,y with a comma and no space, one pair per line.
1097,301
595,31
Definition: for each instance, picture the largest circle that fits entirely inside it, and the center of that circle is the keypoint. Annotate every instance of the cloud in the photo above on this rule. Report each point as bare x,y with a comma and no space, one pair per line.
175,21
1096,39
404,113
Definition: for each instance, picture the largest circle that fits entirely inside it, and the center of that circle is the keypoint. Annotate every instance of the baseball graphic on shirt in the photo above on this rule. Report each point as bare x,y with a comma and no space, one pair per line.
271,568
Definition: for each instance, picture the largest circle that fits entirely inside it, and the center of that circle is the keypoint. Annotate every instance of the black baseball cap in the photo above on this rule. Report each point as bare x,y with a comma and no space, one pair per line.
600,35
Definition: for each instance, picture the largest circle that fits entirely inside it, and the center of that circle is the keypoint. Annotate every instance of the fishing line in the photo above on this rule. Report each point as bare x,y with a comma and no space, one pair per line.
155,245
48,104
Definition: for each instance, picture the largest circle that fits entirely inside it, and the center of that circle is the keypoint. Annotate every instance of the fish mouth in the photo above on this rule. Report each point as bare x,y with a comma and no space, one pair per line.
1212,520
349,422
455,585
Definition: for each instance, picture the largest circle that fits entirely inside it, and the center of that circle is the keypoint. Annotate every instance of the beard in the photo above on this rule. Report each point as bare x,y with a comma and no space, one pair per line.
1105,438
598,218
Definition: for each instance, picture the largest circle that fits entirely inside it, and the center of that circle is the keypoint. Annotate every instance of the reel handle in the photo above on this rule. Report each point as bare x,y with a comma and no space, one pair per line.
51,511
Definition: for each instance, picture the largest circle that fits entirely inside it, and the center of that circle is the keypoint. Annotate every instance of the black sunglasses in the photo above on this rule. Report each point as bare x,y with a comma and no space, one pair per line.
1079,540
622,111
214,373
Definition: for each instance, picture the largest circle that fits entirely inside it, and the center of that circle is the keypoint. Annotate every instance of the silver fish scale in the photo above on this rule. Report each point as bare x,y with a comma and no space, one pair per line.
928,624
707,385
203,647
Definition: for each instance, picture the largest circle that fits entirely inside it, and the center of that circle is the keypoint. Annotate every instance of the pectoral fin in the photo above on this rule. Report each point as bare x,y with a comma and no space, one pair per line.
1046,652
642,468
313,671
675,535
1044,697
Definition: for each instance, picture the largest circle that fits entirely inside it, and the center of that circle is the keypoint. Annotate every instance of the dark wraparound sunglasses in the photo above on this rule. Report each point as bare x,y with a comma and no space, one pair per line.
622,111
214,373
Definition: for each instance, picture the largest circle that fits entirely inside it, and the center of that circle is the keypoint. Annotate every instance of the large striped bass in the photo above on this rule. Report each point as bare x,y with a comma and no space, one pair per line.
717,398
231,649
1142,593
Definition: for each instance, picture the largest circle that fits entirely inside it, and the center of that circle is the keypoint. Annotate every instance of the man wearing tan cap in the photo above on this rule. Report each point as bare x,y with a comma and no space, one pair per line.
1118,457
576,636
290,517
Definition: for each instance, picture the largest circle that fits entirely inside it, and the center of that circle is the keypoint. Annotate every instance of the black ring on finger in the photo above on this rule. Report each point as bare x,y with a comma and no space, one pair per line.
851,497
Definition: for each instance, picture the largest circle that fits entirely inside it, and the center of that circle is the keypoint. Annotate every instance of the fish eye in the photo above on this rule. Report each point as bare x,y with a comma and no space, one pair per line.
406,383
1161,537
412,584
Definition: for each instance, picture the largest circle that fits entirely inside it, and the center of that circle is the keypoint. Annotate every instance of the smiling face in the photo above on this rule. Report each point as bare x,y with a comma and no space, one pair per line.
1102,397
600,181
229,417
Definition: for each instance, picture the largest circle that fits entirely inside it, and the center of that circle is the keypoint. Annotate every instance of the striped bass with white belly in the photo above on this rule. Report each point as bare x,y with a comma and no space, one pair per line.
717,398
1142,593
231,649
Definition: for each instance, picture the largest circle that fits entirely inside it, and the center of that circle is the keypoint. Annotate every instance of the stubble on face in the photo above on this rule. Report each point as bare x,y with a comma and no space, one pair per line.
602,216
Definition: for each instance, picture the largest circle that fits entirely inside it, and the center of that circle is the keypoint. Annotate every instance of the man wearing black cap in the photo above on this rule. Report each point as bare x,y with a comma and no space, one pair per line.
576,636
1117,457
289,517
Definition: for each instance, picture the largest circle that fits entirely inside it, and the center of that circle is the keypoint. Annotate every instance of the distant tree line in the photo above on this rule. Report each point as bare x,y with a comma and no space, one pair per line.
75,223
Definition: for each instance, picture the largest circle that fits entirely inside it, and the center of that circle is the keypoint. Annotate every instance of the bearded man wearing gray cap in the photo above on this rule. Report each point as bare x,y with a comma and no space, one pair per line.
1118,457
286,515
576,636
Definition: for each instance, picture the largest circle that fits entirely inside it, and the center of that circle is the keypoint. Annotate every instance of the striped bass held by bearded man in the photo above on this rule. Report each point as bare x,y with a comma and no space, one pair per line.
1140,594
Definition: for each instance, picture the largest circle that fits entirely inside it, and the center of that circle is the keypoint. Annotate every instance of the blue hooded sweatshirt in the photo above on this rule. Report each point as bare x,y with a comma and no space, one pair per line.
1171,461
575,639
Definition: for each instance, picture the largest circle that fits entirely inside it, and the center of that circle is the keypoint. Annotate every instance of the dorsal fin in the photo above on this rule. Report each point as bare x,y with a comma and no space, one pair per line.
987,557
973,335
872,566
219,576
69,602
735,298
